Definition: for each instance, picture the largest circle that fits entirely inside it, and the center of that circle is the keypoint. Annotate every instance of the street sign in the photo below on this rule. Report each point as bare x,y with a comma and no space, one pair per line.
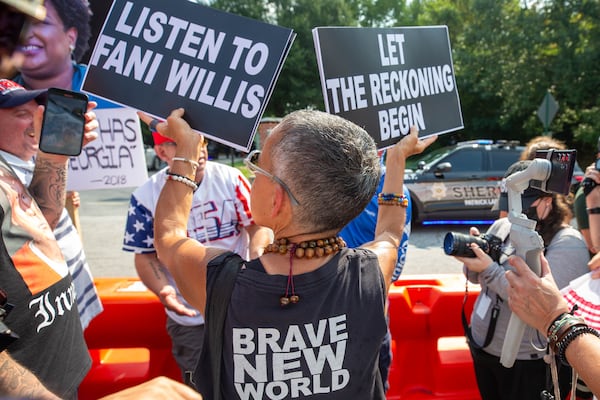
547,110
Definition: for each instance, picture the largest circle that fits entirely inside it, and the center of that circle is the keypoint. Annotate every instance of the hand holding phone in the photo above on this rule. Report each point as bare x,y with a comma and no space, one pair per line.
64,122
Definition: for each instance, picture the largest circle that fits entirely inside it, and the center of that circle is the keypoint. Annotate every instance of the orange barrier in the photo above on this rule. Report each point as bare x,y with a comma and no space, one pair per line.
129,343
431,358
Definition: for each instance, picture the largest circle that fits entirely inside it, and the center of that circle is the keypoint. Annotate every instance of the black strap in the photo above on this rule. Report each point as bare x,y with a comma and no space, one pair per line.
218,296
491,328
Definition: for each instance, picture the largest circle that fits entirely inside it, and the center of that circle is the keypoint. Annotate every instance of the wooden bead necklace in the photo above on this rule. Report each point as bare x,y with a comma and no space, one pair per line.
307,249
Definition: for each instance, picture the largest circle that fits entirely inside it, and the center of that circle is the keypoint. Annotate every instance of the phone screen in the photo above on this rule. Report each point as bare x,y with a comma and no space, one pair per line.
64,122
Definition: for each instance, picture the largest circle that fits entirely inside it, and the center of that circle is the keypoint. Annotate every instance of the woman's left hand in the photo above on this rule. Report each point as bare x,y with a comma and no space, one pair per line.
481,261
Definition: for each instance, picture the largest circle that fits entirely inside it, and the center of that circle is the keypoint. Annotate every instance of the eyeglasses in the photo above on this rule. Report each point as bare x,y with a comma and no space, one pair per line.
251,161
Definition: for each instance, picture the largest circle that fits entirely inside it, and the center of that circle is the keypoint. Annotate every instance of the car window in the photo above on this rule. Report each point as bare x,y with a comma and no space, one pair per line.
428,157
465,160
500,160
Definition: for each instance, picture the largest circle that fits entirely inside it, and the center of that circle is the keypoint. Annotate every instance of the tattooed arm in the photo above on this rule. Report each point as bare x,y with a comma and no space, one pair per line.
48,185
49,180
18,382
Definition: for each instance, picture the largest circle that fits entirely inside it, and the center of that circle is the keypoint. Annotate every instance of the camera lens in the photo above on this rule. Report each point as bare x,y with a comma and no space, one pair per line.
457,244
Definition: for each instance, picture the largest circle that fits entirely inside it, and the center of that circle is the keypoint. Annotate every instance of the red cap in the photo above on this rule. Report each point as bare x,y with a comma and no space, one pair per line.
160,139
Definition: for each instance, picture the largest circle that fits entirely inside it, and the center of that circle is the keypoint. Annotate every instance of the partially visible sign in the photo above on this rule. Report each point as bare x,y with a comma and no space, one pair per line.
156,55
547,110
387,79
116,159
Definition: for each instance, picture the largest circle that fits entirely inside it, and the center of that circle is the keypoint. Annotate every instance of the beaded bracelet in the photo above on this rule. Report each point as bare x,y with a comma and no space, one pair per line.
569,337
187,160
392,199
182,179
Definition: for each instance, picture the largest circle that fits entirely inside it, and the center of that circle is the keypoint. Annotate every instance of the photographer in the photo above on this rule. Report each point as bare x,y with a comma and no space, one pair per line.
592,201
590,181
564,247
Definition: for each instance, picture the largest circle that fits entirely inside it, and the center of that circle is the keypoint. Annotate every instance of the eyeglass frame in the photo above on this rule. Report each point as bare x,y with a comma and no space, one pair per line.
255,168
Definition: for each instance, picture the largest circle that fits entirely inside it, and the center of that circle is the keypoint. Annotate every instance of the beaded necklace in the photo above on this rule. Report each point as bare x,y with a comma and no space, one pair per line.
307,249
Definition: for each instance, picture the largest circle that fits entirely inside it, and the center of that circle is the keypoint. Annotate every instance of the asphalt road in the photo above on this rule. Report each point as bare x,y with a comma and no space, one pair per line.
103,214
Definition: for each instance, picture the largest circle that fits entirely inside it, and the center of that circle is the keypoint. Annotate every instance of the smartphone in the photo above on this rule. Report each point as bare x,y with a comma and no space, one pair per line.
64,122
561,172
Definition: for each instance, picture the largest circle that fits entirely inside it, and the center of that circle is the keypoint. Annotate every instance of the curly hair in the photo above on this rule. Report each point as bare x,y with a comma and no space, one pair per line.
75,14
541,143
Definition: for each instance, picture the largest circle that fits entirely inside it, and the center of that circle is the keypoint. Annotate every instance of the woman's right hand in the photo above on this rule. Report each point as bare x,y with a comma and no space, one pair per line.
536,300
410,145
189,143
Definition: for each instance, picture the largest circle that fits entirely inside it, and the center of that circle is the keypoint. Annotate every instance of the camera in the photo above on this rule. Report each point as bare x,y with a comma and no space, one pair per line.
561,171
7,336
588,184
457,244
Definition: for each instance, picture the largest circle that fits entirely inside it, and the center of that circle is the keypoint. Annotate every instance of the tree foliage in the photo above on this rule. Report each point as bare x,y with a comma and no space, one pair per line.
507,54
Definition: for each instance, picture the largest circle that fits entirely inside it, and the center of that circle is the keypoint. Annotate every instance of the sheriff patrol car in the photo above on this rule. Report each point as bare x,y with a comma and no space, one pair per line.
460,182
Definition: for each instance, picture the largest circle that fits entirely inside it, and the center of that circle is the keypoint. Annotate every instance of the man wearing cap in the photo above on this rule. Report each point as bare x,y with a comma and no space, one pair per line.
51,351
566,253
36,353
19,146
220,215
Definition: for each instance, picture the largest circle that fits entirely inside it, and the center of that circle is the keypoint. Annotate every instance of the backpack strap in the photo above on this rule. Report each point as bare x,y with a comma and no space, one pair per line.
218,296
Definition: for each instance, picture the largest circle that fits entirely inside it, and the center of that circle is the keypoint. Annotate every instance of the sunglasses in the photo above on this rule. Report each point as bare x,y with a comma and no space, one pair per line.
251,161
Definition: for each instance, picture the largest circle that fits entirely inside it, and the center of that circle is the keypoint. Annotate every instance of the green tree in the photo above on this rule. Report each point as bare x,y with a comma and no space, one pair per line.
506,53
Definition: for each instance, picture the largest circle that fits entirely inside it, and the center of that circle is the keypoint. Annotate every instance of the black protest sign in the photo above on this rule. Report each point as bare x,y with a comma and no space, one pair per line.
387,79
155,56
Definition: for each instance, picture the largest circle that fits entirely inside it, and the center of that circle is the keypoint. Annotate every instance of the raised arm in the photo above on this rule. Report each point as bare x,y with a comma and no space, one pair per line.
391,217
48,184
185,258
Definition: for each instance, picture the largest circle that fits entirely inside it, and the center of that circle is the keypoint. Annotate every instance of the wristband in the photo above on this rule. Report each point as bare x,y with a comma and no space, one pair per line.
593,210
392,199
567,339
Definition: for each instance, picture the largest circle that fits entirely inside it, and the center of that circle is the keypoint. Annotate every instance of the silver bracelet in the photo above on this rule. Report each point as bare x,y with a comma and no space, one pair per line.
187,160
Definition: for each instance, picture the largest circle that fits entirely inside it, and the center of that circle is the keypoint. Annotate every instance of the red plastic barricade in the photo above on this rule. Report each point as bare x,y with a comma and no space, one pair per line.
431,359
128,341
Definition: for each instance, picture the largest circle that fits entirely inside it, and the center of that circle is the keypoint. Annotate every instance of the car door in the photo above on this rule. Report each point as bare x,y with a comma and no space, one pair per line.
450,185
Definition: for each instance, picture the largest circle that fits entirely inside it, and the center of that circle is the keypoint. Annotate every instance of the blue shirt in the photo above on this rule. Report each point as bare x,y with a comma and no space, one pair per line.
362,229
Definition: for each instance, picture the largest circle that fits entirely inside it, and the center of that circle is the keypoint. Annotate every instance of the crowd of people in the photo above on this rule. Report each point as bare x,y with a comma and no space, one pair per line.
247,271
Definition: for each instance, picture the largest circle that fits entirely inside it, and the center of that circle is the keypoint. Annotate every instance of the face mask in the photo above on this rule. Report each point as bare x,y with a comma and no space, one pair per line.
531,213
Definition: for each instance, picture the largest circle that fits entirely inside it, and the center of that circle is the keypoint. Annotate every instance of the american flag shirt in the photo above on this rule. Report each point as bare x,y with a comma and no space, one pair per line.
220,210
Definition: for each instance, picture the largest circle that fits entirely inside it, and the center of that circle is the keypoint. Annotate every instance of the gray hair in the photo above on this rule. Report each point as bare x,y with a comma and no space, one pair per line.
329,163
